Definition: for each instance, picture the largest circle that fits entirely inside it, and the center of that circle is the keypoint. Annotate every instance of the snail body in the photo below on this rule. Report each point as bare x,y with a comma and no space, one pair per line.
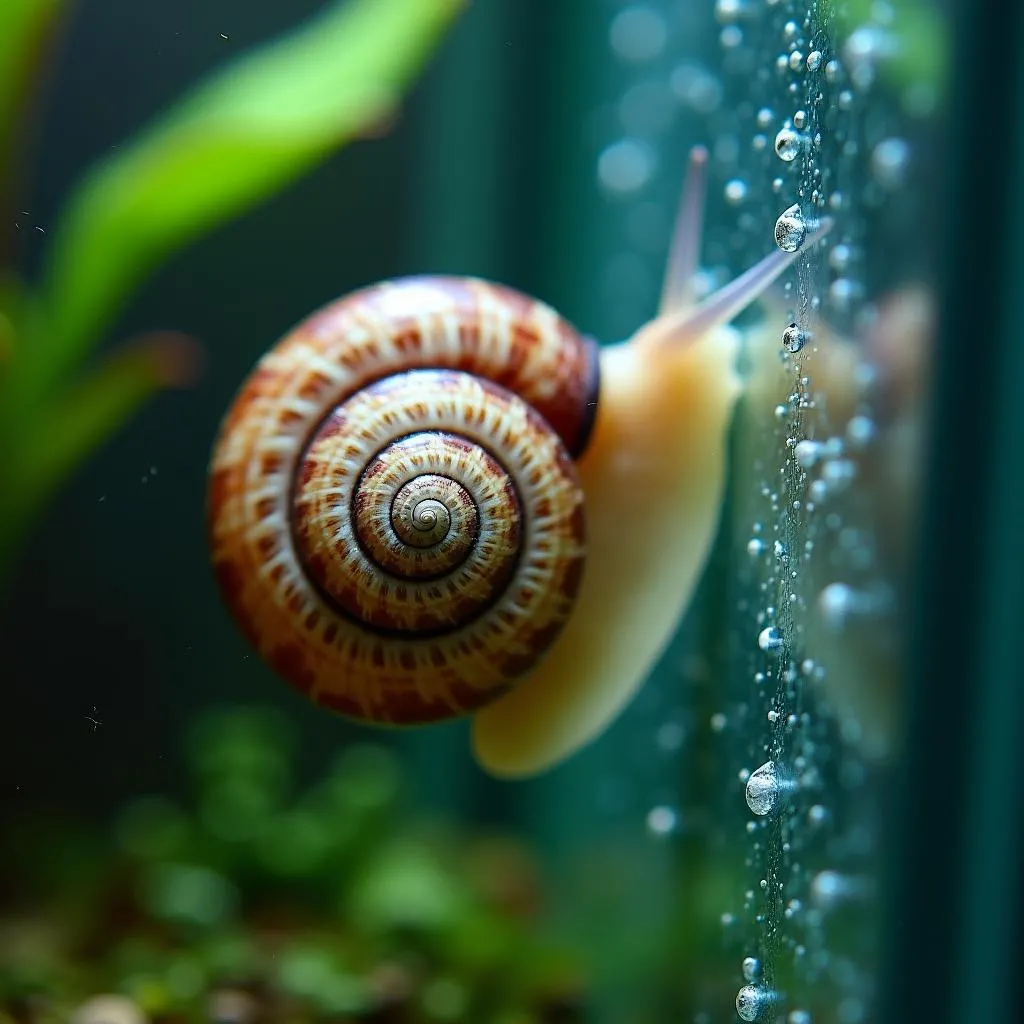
434,498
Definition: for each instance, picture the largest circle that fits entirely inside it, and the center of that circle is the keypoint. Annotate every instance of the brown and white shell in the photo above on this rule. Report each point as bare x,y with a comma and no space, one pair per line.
396,505
394,513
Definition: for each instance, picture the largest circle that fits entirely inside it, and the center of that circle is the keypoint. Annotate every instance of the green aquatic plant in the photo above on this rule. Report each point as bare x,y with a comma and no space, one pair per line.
237,137
329,899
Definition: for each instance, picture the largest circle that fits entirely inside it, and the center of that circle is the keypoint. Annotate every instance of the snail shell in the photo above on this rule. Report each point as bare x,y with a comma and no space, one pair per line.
402,493
395,516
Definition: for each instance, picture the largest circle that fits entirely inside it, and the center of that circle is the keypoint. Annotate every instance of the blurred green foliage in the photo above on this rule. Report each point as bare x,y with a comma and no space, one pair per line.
323,901
240,135
909,40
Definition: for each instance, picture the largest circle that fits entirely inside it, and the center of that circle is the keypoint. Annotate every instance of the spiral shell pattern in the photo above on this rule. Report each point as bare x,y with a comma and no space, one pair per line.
394,513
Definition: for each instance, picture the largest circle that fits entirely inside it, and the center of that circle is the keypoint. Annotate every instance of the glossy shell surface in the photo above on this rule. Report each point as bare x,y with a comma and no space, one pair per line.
394,513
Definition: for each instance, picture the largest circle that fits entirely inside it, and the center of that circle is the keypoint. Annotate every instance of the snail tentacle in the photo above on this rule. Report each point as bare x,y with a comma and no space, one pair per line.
684,252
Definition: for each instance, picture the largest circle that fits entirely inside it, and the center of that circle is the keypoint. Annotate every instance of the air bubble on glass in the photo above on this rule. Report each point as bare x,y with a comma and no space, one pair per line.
787,145
794,338
830,888
670,736
694,86
647,108
844,292
767,787
807,453
752,1001
735,191
751,969
661,821
863,50
790,229
860,431
840,257
889,161
626,166
731,37
728,11
638,33
838,474
838,602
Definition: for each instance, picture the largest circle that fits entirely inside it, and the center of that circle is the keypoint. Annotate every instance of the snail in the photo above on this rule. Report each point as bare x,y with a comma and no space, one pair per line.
435,498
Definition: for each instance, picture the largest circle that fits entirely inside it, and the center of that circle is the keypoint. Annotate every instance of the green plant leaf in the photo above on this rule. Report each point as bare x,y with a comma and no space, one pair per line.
240,135
25,27
83,416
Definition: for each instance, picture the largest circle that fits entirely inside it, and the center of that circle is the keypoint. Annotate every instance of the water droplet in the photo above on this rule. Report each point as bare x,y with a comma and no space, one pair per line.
626,165
752,1001
769,639
731,37
661,820
839,474
765,116
727,11
670,736
638,33
647,108
755,547
889,161
796,61
814,60
751,969
844,291
829,888
807,453
718,722
766,786
735,191
793,337
800,120
798,1017
696,87
787,145
840,257
836,602
790,229
860,431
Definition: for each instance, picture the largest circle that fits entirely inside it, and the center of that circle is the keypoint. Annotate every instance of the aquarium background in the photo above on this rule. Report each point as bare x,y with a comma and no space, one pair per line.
184,831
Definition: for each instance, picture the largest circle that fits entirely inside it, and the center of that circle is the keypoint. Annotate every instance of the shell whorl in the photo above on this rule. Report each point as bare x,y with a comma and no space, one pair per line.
394,514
